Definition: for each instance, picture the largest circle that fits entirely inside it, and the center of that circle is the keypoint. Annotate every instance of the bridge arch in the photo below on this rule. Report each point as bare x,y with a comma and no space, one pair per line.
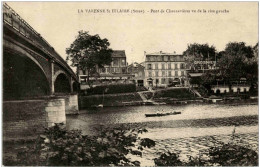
61,82
23,76
74,86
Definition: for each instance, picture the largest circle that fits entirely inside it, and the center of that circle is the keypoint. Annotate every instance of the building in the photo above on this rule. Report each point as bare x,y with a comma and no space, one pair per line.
164,69
115,73
197,69
137,70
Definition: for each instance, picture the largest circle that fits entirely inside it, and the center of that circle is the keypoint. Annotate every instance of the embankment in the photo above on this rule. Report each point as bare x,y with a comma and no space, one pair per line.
109,100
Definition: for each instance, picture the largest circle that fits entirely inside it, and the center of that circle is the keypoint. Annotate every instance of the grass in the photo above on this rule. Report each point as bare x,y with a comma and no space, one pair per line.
174,93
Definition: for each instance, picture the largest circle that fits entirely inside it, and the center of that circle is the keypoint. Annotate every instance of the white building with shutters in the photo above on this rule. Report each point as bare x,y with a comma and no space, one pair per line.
165,69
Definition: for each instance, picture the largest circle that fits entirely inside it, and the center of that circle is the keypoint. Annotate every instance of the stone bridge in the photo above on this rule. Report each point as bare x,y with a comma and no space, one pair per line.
38,85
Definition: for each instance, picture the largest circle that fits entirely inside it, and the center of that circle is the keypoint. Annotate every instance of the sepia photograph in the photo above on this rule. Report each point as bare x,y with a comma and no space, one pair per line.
130,83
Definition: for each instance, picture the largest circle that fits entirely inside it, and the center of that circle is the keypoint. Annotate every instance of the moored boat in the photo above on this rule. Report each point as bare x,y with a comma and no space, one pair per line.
162,114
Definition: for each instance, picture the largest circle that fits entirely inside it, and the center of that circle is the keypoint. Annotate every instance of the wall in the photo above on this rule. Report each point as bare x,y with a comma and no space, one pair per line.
222,89
27,118
242,88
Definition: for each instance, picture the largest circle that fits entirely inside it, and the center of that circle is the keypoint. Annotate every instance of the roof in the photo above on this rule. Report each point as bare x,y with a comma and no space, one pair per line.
162,53
135,64
118,53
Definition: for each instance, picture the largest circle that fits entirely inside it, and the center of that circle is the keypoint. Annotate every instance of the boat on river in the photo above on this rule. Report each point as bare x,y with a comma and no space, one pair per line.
162,114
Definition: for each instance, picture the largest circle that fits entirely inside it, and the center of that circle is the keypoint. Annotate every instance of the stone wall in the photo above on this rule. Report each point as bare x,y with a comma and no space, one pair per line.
55,112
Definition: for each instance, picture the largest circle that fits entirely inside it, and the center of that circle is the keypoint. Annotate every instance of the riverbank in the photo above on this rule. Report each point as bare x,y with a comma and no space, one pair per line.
110,100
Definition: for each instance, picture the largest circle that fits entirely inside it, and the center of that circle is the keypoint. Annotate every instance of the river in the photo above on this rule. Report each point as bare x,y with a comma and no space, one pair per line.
193,117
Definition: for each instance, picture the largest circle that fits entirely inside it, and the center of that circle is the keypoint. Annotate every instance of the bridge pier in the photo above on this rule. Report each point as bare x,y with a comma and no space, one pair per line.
71,103
52,77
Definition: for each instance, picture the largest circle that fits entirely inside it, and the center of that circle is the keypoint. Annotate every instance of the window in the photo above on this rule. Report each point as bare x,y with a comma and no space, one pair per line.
176,73
150,74
103,70
149,66
123,62
156,73
148,58
163,73
169,73
182,66
163,80
117,70
112,70
175,66
169,66
115,62
156,66
163,66
123,70
157,81
165,58
182,73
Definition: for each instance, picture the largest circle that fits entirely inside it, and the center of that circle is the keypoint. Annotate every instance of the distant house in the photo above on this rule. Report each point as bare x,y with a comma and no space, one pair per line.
236,86
164,69
115,73
137,70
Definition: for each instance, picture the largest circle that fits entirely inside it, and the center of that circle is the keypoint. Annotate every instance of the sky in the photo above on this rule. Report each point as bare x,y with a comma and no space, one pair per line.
163,26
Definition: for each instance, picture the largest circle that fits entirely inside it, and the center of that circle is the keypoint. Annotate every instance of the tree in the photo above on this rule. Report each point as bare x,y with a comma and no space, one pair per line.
88,53
236,61
199,52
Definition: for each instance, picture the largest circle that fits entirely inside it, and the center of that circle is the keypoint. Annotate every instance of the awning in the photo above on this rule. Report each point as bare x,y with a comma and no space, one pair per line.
195,74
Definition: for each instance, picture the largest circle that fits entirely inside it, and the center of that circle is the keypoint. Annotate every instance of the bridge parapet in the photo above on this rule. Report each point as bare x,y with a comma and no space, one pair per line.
14,21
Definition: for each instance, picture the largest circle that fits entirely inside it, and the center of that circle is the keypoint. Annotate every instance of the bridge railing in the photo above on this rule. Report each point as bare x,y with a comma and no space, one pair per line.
11,18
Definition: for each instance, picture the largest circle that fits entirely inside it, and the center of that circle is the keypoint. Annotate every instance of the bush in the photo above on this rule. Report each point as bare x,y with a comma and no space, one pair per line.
168,159
225,155
59,147
141,88
233,155
112,89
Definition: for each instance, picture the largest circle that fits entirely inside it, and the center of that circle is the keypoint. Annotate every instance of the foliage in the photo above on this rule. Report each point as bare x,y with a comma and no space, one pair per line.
237,61
112,89
224,155
59,147
233,155
147,143
196,81
89,52
141,88
168,159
